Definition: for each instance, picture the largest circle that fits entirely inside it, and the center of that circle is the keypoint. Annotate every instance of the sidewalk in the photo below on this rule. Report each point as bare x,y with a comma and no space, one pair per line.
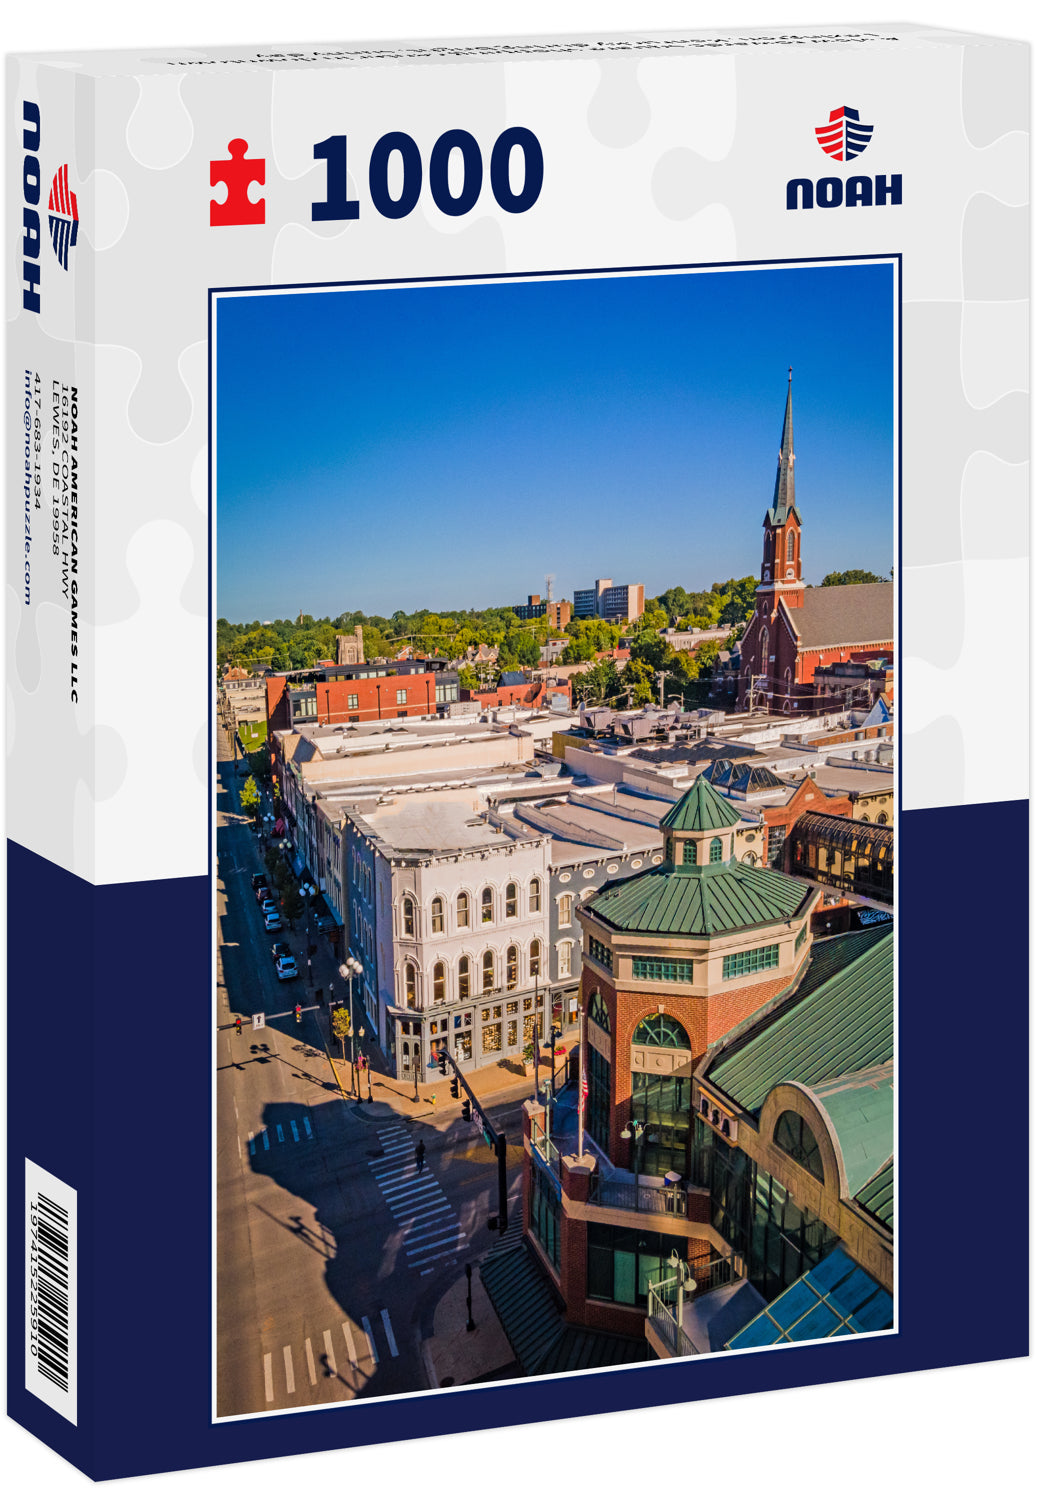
452,1355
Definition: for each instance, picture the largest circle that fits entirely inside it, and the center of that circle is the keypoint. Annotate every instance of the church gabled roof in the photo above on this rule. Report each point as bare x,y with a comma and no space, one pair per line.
846,614
700,810
783,489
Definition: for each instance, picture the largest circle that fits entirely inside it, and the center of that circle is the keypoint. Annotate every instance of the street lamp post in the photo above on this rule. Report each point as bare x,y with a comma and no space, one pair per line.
307,892
347,970
635,1130
685,1281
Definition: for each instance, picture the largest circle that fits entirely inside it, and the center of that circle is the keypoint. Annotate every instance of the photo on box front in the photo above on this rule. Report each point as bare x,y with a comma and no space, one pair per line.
554,942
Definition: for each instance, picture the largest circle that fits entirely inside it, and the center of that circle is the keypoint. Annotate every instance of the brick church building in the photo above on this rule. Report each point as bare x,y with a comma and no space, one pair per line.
795,628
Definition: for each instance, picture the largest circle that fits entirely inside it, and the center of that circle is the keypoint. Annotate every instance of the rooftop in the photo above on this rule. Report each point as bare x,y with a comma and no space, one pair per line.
846,615
413,826
723,898
826,1032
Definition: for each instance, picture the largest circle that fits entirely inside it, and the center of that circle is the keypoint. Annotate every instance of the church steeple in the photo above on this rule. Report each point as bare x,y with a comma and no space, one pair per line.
783,489
782,552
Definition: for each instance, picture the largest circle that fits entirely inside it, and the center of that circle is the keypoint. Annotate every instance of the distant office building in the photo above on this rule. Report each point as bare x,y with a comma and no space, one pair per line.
607,600
556,611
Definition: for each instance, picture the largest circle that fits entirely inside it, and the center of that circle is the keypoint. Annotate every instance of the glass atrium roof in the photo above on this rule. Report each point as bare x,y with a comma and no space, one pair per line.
835,1298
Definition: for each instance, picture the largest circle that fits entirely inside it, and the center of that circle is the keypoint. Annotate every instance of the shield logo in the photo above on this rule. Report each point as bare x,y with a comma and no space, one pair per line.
63,216
844,136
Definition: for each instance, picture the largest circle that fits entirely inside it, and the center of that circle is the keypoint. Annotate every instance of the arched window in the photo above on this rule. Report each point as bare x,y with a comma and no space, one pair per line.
439,984
536,958
566,905
751,859
689,852
534,896
790,546
512,967
763,648
598,1012
488,972
512,897
487,904
715,852
660,1031
409,917
462,909
437,915
409,985
464,978
882,817
794,1137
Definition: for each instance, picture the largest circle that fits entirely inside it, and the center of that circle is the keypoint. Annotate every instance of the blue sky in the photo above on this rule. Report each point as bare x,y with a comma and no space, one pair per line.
446,447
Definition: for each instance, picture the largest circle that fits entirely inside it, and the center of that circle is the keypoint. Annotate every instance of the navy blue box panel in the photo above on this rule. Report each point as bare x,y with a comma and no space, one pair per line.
110,1057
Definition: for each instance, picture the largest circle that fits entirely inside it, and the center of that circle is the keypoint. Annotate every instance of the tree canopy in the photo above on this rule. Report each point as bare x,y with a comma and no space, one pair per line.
850,575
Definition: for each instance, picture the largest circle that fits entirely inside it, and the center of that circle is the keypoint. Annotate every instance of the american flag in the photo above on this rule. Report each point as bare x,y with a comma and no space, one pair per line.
584,1090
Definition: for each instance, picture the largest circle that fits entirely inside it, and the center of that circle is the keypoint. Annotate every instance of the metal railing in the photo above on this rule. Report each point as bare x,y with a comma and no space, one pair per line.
646,1199
545,1148
709,1272
662,1318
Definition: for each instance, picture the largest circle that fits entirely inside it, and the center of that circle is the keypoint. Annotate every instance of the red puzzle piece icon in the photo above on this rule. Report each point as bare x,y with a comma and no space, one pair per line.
237,173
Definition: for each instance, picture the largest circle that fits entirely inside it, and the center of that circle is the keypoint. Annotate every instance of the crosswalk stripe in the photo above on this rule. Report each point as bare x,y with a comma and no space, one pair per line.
281,1133
366,1325
267,1143
447,1239
307,1127
392,1174
330,1353
392,1153
387,1328
349,1338
392,1135
290,1378
252,1145
431,1231
310,1361
439,1218
295,1132
422,1214
268,1379
395,1192
408,1206
441,1255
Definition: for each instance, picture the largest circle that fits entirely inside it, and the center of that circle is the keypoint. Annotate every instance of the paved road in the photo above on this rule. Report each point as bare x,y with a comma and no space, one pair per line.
332,1248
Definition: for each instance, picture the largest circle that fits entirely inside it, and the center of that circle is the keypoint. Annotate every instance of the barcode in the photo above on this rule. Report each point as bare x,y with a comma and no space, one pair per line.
50,1289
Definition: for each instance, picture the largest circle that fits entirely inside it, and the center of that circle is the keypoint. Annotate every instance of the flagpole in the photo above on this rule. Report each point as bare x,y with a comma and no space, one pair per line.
581,1082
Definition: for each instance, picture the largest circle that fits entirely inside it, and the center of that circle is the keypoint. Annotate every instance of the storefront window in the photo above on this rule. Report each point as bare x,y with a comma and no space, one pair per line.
545,1215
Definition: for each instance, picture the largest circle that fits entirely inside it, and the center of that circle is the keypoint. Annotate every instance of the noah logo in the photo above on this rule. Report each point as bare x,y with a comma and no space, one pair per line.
843,138
62,215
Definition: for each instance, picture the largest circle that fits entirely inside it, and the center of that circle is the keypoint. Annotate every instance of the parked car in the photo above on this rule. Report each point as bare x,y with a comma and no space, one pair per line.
262,894
280,950
272,921
286,967
269,905
259,881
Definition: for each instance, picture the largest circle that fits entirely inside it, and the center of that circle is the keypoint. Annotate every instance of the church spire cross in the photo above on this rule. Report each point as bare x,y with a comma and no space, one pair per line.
783,488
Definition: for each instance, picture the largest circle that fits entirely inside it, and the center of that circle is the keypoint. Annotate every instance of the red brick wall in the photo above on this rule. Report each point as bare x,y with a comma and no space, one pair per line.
705,1019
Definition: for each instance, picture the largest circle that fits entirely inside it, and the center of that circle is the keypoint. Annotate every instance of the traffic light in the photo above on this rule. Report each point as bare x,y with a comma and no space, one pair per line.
443,1059
467,1110
454,1088
299,1014
238,1025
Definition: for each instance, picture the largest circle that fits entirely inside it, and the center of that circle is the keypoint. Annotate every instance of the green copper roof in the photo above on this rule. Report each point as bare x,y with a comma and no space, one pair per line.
700,810
860,1108
697,903
843,1026
878,1195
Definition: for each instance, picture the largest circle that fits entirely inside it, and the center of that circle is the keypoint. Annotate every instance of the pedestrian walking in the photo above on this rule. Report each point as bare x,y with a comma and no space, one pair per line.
420,1156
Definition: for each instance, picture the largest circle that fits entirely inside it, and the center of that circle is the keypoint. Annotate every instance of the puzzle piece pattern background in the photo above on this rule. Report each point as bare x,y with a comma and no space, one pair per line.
668,174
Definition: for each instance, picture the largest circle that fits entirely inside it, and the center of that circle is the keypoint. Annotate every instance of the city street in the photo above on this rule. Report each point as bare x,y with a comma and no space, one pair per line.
333,1249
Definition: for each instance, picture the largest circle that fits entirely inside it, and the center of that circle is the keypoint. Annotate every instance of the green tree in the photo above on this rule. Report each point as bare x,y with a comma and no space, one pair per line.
639,676
249,796
341,1027
851,575
652,650
600,684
